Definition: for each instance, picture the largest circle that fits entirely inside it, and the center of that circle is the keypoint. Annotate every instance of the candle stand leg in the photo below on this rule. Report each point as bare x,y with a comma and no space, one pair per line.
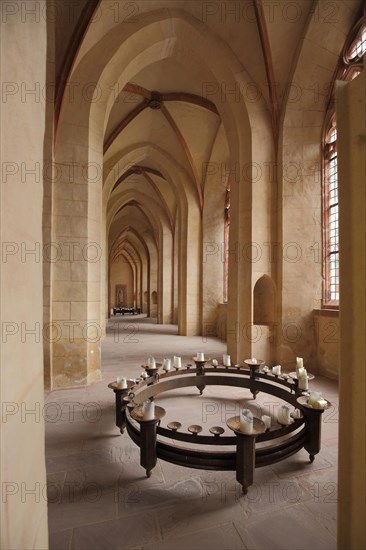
313,418
245,460
200,370
253,391
148,445
120,409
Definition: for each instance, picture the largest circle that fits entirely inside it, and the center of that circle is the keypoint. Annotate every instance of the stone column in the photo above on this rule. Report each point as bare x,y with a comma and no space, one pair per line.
23,473
351,132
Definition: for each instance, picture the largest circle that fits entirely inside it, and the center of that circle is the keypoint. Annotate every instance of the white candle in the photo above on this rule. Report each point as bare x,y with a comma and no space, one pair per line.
296,413
226,360
177,362
314,397
316,400
283,415
148,410
121,382
301,372
267,421
214,362
200,356
320,404
304,383
299,363
143,374
253,360
167,365
246,421
276,369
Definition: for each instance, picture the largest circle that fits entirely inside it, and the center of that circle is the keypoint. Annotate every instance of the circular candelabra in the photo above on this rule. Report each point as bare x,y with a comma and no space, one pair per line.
282,440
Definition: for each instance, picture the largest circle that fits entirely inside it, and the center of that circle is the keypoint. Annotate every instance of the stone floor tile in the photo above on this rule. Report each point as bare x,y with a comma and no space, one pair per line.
55,484
221,537
322,484
325,509
199,514
138,496
284,530
81,509
60,540
121,533
299,464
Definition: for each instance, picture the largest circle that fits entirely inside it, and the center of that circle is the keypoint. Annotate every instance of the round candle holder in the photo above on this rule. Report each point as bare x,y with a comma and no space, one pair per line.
174,426
114,386
152,371
137,414
205,360
303,400
195,429
254,364
234,424
293,375
216,430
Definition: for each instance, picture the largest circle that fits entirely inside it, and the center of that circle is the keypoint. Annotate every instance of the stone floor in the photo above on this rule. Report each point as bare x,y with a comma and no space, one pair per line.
100,498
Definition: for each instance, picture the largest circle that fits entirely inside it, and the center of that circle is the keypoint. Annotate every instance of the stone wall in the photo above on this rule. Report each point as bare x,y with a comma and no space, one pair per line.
23,472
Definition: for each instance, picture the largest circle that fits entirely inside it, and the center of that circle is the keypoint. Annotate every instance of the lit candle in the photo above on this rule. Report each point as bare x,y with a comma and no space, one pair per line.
226,360
121,382
167,365
276,369
200,356
148,410
177,362
253,360
246,421
267,421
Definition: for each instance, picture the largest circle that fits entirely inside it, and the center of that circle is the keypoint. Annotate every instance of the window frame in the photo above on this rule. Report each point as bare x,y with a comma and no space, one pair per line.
348,68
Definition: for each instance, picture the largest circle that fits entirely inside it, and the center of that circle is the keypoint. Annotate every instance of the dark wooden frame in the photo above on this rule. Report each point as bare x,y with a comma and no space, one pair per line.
304,432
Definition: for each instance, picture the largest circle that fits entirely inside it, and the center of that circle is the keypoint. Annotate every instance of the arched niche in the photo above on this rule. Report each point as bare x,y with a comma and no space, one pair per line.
264,300
154,298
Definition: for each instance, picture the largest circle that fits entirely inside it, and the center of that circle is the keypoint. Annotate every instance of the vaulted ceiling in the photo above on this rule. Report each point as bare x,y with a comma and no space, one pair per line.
167,106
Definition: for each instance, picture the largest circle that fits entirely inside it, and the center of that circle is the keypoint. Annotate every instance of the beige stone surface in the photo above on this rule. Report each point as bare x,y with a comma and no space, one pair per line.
23,123
350,106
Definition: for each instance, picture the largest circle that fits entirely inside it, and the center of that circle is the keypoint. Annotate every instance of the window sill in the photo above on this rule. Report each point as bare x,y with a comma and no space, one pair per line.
327,312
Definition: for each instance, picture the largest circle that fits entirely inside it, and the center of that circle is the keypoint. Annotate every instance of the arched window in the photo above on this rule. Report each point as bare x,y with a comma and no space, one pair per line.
349,66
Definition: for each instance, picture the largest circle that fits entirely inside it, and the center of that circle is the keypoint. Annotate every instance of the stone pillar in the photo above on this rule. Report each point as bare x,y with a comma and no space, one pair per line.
76,311
23,472
215,185
351,132
165,293
189,271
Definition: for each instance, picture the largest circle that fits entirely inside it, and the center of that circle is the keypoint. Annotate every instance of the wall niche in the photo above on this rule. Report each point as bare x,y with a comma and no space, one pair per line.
264,301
